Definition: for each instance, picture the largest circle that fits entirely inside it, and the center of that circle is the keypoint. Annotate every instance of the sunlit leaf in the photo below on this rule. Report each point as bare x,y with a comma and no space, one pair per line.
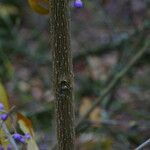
4,97
7,10
39,6
5,102
26,126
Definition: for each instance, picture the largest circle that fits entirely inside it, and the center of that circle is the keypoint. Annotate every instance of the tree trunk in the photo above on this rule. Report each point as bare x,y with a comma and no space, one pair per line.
62,73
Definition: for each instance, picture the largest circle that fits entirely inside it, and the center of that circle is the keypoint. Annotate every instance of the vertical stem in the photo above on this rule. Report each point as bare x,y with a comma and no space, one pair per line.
9,136
62,73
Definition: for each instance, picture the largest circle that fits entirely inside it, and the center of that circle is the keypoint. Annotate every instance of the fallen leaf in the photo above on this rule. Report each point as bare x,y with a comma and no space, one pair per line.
95,115
85,105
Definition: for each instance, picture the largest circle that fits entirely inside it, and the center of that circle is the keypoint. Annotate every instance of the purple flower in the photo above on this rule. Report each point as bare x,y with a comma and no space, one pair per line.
1,148
9,147
4,117
78,4
27,136
17,136
1,106
22,140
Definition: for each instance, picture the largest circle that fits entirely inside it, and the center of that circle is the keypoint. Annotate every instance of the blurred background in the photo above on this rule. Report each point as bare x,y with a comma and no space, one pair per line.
106,34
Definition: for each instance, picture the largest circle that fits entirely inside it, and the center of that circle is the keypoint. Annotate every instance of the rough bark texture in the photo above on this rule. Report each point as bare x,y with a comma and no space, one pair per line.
62,73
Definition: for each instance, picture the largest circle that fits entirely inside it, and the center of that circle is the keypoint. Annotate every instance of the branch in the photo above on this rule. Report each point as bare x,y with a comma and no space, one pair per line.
9,136
114,81
112,44
146,143
129,124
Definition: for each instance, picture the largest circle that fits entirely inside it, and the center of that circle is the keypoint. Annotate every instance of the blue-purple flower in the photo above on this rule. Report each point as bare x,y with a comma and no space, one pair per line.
22,140
3,117
1,148
17,136
78,3
9,147
27,136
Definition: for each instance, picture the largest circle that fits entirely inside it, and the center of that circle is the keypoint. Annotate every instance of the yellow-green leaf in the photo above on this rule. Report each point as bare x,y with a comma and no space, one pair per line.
37,7
5,102
4,97
26,126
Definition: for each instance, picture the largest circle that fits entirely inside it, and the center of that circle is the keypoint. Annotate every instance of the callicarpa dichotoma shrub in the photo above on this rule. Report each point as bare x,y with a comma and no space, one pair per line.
13,138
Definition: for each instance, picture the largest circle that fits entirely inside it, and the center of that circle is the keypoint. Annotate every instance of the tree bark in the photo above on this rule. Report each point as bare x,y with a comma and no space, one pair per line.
62,73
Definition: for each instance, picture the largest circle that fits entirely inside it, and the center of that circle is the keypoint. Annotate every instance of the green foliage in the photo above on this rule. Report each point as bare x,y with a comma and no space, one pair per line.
8,18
